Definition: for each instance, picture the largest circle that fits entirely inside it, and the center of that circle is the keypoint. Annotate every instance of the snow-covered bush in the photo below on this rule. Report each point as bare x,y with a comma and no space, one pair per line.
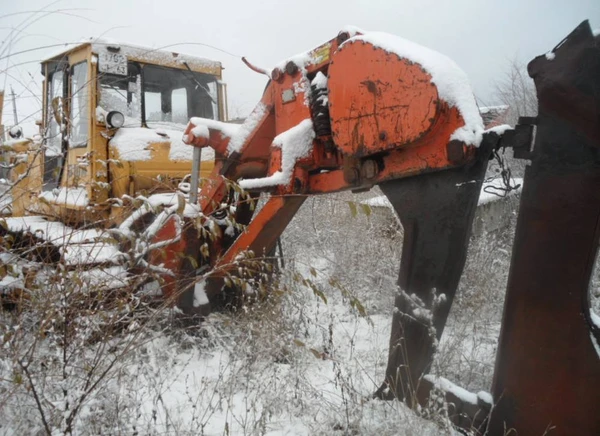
61,346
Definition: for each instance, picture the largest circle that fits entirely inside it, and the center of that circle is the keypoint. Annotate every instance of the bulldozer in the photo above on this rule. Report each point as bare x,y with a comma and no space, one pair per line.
111,126
109,143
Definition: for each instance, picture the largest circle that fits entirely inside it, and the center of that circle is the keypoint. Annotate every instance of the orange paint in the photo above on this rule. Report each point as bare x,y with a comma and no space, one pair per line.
169,256
377,100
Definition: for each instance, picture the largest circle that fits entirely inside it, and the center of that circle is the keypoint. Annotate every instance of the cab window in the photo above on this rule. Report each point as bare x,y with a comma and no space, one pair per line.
55,100
122,93
53,140
79,110
172,96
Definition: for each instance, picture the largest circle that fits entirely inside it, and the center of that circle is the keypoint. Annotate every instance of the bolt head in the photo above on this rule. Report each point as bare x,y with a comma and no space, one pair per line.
291,68
276,74
342,36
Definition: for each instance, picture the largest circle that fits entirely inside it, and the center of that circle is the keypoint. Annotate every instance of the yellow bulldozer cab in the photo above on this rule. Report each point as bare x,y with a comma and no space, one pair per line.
113,119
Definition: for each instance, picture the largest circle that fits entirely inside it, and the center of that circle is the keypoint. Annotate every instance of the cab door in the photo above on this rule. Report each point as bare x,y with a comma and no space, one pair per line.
55,132
66,143
79,144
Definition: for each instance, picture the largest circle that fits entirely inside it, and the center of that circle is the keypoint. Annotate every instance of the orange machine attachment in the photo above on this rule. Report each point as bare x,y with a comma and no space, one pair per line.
346,116
374,116
351,114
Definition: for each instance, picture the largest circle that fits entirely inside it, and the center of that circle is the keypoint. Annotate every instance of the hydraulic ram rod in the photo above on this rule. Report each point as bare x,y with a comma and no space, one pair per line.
195,182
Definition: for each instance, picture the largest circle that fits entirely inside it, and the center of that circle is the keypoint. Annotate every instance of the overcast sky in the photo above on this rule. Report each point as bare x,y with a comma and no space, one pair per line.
482,36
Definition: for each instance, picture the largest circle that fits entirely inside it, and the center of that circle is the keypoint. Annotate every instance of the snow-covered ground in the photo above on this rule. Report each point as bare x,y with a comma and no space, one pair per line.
303,362
304,366
306,361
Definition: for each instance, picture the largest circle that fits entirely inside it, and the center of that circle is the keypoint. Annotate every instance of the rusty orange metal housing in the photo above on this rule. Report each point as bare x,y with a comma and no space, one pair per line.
377,100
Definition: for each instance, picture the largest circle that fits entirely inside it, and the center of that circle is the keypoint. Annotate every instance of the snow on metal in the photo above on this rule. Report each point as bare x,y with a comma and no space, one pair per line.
154,203
320,80
134,144
227,130
75,197
238,133
295,144
201,131
486,397
451,81
447,386
241,134
180,151
5,197
54,232
500,129
101,46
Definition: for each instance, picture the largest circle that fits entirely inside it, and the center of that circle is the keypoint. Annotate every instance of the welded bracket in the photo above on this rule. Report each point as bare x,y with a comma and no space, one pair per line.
520,139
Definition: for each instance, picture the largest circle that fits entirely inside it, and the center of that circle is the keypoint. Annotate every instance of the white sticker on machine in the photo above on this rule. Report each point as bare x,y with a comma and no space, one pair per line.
112,63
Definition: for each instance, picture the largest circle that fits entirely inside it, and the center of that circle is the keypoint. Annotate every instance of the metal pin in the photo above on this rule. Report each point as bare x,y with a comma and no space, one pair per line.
195,182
